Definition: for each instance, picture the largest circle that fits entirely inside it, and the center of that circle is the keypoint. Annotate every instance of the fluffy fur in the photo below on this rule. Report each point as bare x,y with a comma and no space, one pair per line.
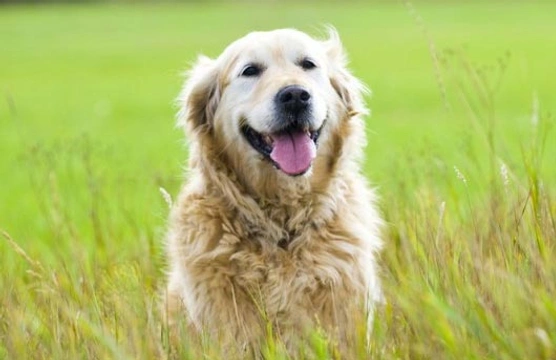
249,245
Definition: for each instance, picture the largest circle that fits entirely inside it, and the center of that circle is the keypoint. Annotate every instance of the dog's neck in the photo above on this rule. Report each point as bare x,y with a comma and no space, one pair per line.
289,203
267,196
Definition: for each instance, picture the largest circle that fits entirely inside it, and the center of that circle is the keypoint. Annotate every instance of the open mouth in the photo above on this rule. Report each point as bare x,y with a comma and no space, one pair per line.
291,150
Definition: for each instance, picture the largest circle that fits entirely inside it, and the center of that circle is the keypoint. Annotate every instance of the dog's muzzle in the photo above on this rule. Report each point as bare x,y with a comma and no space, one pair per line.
293,108
291,144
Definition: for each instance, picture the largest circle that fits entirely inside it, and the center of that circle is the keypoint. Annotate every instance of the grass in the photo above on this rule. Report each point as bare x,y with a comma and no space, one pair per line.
460,147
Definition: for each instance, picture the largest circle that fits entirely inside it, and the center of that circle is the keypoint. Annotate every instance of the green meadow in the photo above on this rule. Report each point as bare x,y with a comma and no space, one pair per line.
461,148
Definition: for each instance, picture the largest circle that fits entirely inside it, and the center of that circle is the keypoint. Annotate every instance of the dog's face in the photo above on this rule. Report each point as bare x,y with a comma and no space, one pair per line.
272,100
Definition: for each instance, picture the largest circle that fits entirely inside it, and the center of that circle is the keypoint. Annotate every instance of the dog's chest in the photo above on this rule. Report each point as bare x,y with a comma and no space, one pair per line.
303,276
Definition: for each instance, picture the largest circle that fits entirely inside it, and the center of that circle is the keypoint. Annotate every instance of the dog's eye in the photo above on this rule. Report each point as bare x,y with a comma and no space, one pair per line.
307,64
251,70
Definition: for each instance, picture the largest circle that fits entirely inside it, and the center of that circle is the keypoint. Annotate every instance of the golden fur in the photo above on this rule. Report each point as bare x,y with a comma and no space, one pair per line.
249,245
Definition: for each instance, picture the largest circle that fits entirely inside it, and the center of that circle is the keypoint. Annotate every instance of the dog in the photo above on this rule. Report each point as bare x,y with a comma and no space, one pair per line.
275,227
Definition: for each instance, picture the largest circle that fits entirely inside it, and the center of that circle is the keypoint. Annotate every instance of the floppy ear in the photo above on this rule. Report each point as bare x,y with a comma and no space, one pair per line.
349,88
200,95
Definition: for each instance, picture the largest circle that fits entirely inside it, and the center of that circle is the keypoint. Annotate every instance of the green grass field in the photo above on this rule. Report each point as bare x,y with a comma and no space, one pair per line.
460,148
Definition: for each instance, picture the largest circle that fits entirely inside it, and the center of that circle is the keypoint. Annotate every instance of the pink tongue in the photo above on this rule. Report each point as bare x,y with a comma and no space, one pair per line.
293,152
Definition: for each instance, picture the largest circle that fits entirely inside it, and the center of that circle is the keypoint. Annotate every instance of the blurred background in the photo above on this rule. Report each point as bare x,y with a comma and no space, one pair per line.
88,88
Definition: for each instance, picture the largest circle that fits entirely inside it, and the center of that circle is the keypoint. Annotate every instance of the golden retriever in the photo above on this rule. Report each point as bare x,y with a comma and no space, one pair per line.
275,227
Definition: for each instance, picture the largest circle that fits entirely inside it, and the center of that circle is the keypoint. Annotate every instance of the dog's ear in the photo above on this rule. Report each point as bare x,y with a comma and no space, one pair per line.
200,95
349,88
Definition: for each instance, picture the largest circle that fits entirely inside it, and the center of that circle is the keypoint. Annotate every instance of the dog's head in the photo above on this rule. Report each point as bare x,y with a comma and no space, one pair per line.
273,102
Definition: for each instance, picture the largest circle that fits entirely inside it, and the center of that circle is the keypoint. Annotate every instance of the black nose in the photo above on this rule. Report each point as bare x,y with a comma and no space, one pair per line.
293,98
